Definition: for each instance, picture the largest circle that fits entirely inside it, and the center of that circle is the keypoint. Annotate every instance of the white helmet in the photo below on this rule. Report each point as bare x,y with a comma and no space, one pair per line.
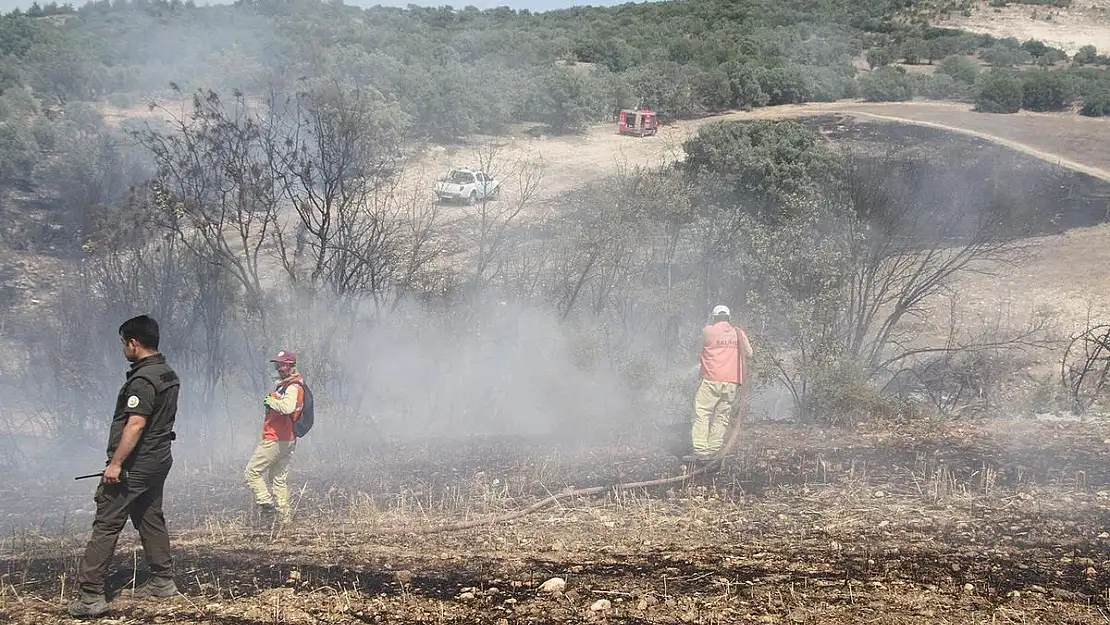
721,309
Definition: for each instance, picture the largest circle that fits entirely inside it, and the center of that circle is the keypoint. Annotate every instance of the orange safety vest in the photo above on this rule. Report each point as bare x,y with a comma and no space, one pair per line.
720,353
277,426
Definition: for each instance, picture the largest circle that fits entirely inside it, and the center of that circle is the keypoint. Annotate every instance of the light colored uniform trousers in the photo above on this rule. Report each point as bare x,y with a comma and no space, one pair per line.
270,463
712,412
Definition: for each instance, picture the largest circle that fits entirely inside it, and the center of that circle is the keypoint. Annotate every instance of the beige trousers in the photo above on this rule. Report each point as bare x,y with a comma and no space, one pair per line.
712,412
270,463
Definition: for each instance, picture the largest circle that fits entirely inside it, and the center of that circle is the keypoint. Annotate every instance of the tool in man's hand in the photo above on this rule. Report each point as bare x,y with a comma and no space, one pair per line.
122,475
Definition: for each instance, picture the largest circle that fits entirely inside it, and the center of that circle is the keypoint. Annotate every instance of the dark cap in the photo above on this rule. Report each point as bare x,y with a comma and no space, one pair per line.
285,356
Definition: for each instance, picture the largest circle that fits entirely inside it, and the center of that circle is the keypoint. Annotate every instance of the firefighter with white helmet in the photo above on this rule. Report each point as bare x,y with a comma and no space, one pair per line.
725,353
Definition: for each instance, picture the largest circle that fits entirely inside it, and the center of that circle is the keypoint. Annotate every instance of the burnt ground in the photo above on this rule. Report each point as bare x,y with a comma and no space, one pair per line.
1046,197
1002,522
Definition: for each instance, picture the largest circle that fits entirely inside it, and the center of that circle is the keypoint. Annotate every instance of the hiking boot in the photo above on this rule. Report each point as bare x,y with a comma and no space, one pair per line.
153,587
88,605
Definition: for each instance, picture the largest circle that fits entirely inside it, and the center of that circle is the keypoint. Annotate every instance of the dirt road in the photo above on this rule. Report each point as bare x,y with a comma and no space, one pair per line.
1066,275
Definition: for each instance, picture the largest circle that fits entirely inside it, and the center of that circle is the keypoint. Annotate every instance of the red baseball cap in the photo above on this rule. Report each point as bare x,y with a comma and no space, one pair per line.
285,356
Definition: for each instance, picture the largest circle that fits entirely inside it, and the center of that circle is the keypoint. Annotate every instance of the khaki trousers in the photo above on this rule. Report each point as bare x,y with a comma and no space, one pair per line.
270,463
712,412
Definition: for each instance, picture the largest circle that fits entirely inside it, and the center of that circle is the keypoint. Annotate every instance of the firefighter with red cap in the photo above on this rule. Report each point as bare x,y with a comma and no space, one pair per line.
269,466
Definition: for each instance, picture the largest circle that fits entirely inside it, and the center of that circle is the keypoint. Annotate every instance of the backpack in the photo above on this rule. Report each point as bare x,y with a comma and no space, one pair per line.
304,423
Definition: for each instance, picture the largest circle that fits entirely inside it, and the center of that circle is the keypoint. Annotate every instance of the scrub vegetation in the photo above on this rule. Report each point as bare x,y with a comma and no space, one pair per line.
472,360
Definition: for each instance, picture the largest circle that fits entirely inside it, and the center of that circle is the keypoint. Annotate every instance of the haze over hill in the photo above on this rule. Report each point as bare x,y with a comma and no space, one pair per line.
258,176
531,5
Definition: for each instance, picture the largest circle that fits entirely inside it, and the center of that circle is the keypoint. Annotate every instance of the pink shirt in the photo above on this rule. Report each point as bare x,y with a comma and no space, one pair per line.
720,353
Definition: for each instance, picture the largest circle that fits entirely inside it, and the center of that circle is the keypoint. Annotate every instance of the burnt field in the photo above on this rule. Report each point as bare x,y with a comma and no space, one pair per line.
1046,197
1002,522
975,521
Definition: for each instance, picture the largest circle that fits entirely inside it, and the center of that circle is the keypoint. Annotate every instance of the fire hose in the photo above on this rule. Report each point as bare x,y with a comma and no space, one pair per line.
739,414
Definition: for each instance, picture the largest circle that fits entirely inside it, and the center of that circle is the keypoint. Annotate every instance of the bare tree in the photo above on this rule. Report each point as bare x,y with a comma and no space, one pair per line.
339,171
490,223
852,278
213,187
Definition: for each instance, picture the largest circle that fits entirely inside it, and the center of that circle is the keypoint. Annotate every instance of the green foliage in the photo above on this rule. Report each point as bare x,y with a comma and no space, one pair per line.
1046,91
754,166
1096,104
567,100
887,84
940,87
456,72
879,57
1001,55
959,67
1086,55
785,85
1035,47
999,92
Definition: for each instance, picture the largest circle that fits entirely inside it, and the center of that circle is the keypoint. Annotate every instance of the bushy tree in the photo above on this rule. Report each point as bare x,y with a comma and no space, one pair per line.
785,85
1096,104
999,92
1046,91
567,100
1003,56
879,56
887,84
1086,55
962,68
747,90
753,166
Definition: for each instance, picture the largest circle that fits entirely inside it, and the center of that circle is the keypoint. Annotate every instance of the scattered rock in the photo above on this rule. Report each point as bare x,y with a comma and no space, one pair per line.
465,596
969,587
880,494
600,605
554,585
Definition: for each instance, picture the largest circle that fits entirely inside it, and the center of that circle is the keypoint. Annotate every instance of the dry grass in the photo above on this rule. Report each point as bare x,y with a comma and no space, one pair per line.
946,524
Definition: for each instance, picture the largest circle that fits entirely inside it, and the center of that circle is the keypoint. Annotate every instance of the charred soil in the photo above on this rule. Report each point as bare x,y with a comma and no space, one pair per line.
993,522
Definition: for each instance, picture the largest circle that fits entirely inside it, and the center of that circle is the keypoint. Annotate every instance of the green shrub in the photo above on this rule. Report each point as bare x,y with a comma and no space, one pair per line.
886,84
1086,55
1002,55
940,87
959,67
1046,91
879,57
1096,105
999,92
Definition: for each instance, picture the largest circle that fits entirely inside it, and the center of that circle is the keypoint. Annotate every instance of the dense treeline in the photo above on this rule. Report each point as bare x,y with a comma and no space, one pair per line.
444,74
459,72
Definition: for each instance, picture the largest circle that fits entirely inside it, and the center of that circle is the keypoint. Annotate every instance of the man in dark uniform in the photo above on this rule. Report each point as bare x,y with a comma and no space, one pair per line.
139,460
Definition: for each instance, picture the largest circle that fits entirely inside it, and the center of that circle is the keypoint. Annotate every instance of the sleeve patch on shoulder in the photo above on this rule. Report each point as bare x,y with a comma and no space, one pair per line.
133,401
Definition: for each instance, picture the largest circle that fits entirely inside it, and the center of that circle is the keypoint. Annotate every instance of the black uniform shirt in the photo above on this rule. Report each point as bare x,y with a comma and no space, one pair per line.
150,391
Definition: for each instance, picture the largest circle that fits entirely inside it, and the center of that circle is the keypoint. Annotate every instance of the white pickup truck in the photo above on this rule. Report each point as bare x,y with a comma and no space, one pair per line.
467,185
